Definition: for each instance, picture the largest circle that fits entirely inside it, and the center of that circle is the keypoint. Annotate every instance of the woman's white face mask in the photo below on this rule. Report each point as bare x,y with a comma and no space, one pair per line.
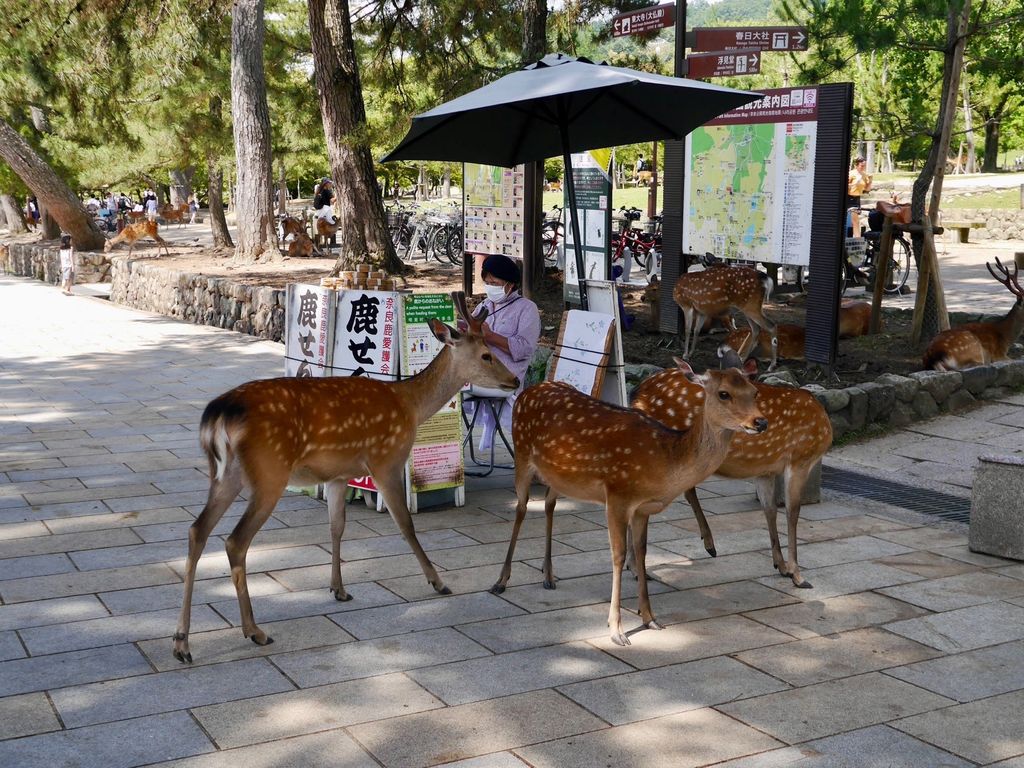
494,292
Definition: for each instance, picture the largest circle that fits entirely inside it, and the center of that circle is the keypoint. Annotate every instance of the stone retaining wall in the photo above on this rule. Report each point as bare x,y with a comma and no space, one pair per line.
217,301
43,263
1000,223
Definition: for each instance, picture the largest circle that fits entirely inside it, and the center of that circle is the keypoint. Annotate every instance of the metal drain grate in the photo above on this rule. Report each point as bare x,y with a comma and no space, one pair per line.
910,497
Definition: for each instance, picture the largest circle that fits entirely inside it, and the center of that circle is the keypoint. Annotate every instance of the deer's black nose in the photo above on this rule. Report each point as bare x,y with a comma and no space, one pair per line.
761,424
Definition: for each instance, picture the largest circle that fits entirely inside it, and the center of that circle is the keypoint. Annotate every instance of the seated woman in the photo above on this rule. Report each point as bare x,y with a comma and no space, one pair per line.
512,331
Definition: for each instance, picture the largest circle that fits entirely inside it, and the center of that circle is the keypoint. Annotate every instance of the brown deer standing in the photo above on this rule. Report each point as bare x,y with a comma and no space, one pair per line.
714,291
652,297
790,342
798,435
325,231
979,343
587,449
134,232
266,433
178,213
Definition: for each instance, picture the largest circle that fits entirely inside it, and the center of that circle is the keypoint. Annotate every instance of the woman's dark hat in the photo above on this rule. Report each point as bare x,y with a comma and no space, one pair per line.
501,267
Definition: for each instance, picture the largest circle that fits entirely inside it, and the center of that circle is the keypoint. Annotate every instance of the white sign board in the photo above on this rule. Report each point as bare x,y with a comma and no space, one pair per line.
309,317
603,297
581,356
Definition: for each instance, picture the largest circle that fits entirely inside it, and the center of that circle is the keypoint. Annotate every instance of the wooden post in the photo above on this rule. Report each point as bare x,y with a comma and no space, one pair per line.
1018,259
882,266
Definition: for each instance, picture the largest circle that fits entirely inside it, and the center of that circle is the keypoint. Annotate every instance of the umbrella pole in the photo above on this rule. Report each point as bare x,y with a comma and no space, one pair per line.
577,246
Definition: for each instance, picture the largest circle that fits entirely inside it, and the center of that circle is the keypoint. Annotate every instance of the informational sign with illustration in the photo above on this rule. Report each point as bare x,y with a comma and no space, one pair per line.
436,460
582,354
367,341
494,209
603,297
594,210
750,180
309,318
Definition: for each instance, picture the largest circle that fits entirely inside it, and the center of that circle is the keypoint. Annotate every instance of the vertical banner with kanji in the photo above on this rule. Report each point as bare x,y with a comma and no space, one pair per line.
309,318
367,341
593,206
436,460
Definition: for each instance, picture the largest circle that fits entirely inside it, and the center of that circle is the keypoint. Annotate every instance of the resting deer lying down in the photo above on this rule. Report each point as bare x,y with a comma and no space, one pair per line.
798,435
980,343
265,434
587,449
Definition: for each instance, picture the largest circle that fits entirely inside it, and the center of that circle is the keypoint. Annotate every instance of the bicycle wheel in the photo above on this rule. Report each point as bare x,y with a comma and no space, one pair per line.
899,266
437,239
454,247
549,244
804,278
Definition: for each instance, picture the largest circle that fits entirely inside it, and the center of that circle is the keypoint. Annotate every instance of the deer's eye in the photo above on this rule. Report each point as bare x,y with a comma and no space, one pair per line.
723,395
486,357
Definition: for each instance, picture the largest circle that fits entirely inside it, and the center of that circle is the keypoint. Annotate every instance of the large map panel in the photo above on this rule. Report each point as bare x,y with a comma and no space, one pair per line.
750,180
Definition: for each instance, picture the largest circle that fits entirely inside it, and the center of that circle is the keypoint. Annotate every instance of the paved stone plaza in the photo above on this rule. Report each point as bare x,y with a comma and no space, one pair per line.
909,651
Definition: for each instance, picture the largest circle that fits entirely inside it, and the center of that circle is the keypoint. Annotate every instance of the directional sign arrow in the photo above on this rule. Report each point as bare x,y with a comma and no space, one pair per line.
615,27
754,58
800,39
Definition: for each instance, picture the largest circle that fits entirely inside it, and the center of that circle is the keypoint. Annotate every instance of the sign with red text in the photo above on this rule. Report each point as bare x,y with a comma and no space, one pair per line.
644,20
724,63
745,38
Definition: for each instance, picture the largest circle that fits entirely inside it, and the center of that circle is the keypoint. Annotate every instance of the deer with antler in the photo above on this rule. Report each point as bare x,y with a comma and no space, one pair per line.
714,291
798,435
134,232
265,434
980,343
587,449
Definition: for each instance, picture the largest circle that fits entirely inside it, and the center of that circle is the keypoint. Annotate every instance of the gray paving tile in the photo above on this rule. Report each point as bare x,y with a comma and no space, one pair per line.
34,565
26,715
835,614
510,673
40,673
84,583
56,611
125,556
10,647
119,519
687,574
569,593
715,600
475,729
687,740
726,543
538,629
927,565
494,554
214,562
983,731
108,495
668,690
574,564
818,659
24,512
373,569
843,527
330,749
500,531
22,530
828,708
461,581
596,537
312,602
426,614
177,530
367,658
111,745
155,693
170,595
875,747
835,580
957,591
925,537
837,551
965,555
94,633
496,760
281,715
965,628
971,675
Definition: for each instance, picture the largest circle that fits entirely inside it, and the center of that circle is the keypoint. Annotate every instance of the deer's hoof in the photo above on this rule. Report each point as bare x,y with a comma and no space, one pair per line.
653,624
549,583
712,551
443,590
262,638
497,589
803,585
183,656
341,595
620,639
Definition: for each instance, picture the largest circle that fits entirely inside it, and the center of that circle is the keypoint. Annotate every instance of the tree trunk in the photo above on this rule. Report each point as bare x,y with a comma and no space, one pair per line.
254,216
990,164
535,25
51,190
972,158
218,224
10,210
446,182
363,227
926,311
181,184
49,226
282,189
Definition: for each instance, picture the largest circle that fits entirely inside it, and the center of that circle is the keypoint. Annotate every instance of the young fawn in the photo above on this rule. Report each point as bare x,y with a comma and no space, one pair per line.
134,232
265,434
854,319
798,435
587,449
790,342
979,343
714,291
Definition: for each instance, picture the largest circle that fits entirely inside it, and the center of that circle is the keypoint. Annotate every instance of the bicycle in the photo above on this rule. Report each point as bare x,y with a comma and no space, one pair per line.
552,232
644,247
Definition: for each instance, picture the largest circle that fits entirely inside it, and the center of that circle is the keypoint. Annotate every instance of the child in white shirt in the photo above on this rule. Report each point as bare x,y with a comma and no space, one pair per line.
67,264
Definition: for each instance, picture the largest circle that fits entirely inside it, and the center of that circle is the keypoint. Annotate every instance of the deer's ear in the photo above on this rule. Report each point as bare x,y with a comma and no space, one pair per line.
682,364
443,332
750,367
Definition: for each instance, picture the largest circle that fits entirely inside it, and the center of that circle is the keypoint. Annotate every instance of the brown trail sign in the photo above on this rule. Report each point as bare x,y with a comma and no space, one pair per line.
724,63
643,20
744,38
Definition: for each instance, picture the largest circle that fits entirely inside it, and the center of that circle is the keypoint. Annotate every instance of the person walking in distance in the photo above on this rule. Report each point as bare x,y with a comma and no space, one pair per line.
323,200
858,182
67,264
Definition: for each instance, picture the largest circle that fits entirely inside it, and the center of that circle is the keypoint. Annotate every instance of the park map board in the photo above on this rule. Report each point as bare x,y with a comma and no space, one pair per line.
750,180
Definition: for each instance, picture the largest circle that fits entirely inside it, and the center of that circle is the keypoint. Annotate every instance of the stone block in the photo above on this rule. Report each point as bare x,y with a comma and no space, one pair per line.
997,507
1009,373
959,400
979,378
904,387
939,384
840,425
924,405
858,413
832,400
880,400
901,415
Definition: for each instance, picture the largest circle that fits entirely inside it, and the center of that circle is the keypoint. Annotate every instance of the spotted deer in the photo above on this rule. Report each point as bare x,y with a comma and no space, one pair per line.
980,343
587,449
798,435
265,434
714,291
789,346
134,232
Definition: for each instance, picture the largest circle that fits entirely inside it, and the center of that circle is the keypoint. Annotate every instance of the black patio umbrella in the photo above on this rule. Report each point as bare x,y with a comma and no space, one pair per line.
560,105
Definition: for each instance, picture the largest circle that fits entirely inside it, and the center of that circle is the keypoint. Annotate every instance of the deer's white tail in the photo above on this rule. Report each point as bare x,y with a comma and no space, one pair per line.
769,286
213,437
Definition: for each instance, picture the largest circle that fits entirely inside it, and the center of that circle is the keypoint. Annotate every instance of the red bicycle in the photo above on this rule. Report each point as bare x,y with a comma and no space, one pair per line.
645,247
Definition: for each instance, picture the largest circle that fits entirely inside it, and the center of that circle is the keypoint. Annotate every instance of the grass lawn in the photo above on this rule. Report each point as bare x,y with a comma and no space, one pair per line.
1000,198
626,197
